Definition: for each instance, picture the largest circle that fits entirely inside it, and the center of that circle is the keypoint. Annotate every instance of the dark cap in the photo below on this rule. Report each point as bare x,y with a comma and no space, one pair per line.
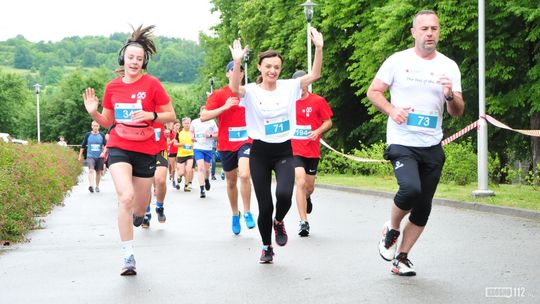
230,66
298,73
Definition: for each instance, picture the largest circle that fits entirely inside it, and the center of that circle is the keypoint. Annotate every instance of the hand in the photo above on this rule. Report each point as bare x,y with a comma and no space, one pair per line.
91,102
316,37
446,83
237,52
399,115
138,116
231,101
314,135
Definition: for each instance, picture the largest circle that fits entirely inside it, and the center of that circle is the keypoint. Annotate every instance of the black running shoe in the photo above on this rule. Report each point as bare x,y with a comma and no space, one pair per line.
137,220
146,222
281,234
91,189
207,184
309,205
267,255
304,229
203,194
161,214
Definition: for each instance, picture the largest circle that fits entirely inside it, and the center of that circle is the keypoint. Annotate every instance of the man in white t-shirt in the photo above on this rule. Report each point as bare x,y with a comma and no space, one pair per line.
421,81
203,135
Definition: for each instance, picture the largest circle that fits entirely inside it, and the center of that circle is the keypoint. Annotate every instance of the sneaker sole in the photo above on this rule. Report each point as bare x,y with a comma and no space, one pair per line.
128,272
405,274
303,233
266,262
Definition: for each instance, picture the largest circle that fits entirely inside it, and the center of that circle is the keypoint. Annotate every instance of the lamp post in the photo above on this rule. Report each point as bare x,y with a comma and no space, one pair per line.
37,88
308,11
211,84
482,124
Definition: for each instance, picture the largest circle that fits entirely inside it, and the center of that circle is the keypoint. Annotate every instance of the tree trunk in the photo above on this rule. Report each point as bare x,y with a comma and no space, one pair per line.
535,145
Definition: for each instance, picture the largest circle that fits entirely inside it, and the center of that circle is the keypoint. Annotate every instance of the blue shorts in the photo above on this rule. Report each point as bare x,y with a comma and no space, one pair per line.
203,154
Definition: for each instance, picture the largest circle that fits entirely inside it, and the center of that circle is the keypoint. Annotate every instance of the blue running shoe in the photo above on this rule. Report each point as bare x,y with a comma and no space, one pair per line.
236,224
250,223
129,266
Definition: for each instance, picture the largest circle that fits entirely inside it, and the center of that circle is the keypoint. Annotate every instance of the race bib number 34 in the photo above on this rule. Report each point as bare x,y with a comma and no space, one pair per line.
123,111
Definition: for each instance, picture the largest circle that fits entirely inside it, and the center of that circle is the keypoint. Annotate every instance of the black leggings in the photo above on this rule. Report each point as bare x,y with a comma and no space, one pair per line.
263,158
417,171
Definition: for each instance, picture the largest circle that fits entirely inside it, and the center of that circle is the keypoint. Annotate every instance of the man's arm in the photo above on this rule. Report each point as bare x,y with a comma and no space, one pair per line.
375,94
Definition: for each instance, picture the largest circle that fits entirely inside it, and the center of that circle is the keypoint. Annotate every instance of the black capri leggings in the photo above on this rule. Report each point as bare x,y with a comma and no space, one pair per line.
417,171
263,158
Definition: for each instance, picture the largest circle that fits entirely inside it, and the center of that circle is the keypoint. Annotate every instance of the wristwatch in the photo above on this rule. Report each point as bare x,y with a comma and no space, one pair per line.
449,98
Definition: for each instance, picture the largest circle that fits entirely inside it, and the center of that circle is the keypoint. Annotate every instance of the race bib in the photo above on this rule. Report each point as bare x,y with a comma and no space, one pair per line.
187,147
302,132
95,147
419,120
276,126
123,111
238,134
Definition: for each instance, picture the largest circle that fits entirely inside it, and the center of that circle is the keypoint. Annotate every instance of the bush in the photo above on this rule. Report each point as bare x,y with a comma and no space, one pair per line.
33,178
333,163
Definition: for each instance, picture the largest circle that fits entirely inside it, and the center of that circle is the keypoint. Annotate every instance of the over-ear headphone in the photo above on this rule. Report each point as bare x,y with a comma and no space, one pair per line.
121,55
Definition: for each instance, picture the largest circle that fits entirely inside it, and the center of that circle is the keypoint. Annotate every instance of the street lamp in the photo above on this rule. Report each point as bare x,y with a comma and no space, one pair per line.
308,11
211,84
37,88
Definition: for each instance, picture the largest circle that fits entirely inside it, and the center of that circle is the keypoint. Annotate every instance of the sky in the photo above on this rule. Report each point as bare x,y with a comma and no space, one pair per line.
53,20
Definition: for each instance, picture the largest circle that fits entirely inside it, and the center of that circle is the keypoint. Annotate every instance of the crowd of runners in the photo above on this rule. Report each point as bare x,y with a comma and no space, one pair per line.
265,130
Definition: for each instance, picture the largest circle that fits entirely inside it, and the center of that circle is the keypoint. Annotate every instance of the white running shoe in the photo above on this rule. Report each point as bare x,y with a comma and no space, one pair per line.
388,243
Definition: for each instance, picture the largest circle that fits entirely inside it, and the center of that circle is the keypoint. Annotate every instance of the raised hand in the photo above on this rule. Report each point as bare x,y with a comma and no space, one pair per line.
316,37
91,102
237,52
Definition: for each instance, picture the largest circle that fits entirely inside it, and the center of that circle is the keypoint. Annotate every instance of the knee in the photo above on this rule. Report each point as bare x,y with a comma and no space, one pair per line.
409,191
310,188
231,183
300,183
126,200
244,176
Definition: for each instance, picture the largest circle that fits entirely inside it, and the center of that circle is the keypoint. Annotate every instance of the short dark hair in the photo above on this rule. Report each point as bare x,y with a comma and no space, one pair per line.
423,12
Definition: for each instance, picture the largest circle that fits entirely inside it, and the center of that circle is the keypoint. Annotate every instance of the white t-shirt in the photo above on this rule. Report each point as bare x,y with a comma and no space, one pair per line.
413,83
200,130
271,115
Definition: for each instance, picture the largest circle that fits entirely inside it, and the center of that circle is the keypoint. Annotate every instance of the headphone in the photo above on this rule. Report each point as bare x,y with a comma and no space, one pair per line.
123,49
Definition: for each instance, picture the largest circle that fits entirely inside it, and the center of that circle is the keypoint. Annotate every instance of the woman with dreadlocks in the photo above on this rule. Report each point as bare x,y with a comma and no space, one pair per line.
135,107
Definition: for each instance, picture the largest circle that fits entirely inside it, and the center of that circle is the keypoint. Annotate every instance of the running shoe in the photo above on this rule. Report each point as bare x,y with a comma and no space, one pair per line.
281,234
203,194
207,185
250,223
304,228
161,214
97,189
267,255
236,224
146,221
129,266
309,205
402,266
137,220
213,177
91,189
222,175
187,188
388,243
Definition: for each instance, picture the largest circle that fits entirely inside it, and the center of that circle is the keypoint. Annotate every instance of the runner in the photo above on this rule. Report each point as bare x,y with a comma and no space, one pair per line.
233,146
203,135
160,176
421,80
271,122
313,118
184,161
173,153
131,104
93,149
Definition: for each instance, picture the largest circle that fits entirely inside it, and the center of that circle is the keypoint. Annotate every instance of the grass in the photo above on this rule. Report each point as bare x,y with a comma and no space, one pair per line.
515,196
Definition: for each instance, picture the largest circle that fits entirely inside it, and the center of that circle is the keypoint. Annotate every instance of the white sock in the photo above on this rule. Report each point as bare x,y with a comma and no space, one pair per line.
127,247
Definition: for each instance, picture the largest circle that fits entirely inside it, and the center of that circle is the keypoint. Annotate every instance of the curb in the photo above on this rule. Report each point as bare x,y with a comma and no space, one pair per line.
508,211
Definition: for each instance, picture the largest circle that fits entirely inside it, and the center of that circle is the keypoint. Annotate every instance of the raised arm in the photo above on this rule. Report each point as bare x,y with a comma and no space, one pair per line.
91,103
318,42
237,54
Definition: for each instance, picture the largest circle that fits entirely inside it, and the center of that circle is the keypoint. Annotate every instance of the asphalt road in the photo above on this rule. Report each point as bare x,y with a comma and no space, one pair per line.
464,256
